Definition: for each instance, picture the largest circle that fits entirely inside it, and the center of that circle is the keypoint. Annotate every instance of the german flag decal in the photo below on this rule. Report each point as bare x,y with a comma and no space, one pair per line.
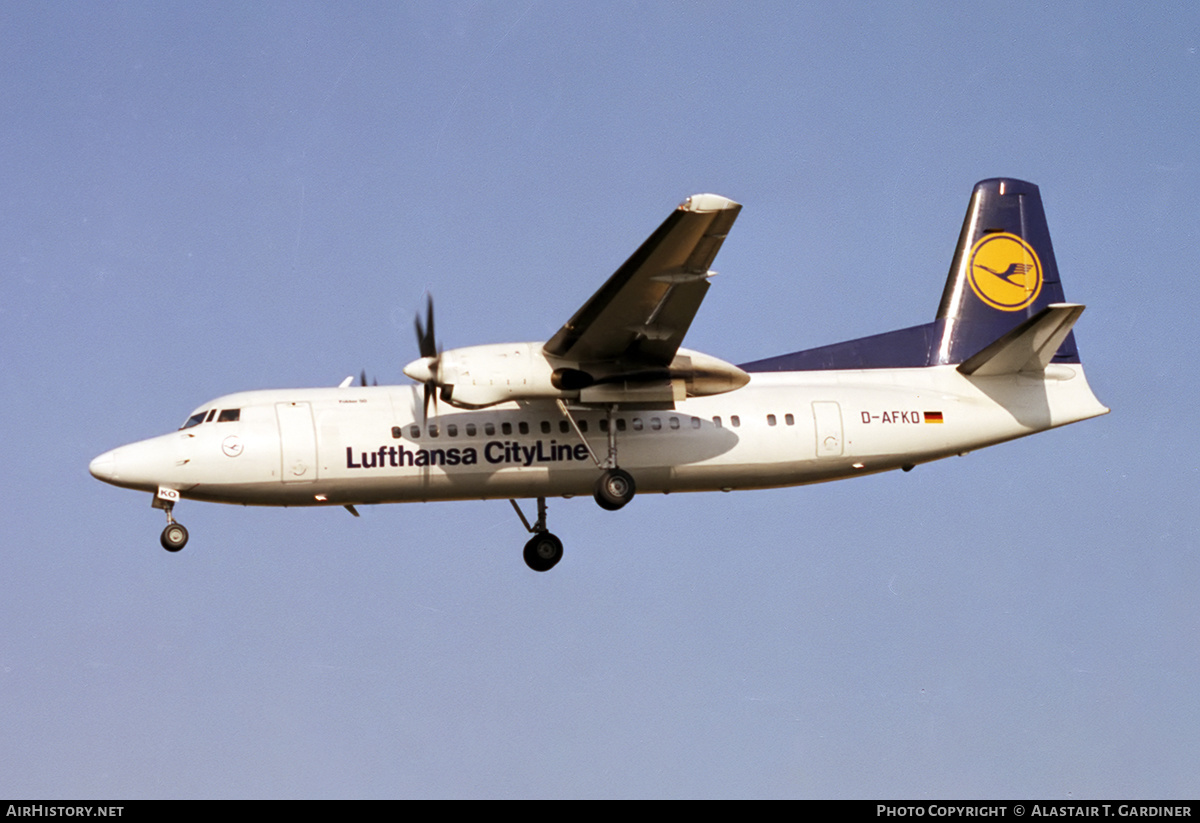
933,417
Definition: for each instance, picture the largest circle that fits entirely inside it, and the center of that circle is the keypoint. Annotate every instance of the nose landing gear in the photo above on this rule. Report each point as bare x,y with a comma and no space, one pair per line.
174,536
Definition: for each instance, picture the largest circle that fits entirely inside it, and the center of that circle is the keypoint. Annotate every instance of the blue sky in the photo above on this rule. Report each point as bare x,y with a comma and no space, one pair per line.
206,198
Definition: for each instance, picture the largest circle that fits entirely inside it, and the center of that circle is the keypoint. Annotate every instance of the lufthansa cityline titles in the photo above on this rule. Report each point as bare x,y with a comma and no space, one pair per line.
494,452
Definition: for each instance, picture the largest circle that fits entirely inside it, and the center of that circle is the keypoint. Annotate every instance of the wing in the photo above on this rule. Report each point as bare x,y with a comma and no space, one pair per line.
639,317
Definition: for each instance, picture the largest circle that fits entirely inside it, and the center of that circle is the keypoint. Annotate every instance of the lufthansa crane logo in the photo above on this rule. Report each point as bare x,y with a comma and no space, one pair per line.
1005,272
231,445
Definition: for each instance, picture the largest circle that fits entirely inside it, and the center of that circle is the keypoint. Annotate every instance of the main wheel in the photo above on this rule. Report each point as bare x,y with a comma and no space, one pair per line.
543,552
174,537
614,489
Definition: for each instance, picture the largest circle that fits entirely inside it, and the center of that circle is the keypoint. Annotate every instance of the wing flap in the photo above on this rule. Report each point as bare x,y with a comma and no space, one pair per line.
640,315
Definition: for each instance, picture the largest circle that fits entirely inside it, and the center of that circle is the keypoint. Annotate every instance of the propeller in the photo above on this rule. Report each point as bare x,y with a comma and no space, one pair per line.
362,379
428,368
426,341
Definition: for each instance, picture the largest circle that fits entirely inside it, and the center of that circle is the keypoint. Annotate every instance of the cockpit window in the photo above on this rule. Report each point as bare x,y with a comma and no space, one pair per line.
210,416
229,415
195,420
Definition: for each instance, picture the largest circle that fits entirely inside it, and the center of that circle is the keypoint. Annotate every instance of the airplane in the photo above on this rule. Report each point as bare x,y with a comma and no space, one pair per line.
613,405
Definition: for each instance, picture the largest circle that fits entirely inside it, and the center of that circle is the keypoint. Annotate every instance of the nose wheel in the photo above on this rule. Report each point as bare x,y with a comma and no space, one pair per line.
174,536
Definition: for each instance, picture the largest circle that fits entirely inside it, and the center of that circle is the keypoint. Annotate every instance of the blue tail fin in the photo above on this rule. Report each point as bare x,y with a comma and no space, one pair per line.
1003,273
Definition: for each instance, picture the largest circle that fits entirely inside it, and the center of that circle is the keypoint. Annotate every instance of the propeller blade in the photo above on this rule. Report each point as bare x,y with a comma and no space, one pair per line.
429,368
429,392
426,339
431,343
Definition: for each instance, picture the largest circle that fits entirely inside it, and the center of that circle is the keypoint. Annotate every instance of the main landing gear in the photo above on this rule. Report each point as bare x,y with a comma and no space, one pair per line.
543,550
615,486
614,489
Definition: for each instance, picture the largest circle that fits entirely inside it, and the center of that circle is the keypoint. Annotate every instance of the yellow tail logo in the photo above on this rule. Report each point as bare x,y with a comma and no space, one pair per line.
1005,272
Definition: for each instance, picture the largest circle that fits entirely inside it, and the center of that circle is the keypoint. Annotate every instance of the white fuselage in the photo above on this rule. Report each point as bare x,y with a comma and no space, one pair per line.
363,445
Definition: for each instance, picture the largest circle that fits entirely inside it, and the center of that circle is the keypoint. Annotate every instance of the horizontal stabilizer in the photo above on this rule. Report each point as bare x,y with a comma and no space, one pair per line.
1027,348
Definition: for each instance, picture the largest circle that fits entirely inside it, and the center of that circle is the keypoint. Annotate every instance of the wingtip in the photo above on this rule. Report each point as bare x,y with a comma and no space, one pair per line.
708,203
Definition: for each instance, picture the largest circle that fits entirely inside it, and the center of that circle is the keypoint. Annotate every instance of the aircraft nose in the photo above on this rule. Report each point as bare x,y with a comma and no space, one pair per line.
141,465
104,467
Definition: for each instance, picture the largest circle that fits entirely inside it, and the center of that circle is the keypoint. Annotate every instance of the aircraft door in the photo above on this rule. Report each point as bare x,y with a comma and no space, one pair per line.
297,442
828,418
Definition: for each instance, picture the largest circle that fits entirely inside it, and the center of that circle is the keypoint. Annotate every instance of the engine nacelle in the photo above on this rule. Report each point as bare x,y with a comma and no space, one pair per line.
480,376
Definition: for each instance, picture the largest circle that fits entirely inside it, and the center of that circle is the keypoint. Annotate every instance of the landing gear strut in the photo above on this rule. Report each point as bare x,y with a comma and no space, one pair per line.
174,536
615,487
543,550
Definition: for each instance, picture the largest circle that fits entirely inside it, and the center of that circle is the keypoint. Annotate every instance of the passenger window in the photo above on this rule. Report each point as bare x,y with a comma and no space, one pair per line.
582,425
433,431
564,426
489,429
717,422
789,419
604,425
620,424
523,427
545,427
695,422
734,420
506,428
470,430
414,432
637,424
655,424
770,420
396,433
674,422
452,430
229,415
